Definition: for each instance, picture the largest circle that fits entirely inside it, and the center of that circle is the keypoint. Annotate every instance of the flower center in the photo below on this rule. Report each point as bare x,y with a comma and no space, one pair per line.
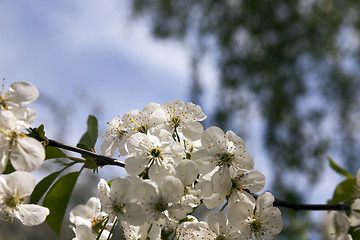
2,103
161,207
255,225
118,208
11,202
175,121
221,237
140,127
97,224
225,158
155,152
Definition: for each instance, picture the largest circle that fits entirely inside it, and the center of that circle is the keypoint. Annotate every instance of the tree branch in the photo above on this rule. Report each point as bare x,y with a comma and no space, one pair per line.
311,207
103,160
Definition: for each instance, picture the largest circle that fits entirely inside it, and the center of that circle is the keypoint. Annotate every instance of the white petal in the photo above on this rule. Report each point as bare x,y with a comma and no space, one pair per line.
253,181
31,214
215,200
83,232
8,120
205,160
221,181
22,93
103,188
179,211
21,183
264,201
134,214
194,111
239,143
187,171
134,166
157,173
4,154
272,221
25,116
121,190
238,213
191,130
146,192
172,189
84,214
214,138
108,147
27,154
217,222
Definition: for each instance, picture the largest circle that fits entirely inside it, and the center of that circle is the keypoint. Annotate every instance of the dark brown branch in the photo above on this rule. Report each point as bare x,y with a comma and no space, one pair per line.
100,159
103,160
311,207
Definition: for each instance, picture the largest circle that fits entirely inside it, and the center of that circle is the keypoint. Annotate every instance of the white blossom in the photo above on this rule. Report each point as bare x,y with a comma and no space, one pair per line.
25,153
14,190
226,151
263,220
157,153
114,138
119,202
90,216
183,118
162,203
135,121
337,225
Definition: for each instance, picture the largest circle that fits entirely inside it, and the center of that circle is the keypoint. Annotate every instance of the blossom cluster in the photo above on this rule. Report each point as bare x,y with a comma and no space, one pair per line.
20,151
174,166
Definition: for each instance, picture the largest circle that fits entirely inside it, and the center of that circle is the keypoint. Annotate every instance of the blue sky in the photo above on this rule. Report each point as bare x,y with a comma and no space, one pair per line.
90,58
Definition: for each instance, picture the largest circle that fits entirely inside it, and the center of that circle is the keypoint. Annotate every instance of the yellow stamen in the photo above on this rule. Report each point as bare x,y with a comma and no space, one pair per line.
172,111
135,122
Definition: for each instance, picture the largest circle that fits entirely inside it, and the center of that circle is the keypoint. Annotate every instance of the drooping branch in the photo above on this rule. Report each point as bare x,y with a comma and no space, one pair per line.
100,159
103,160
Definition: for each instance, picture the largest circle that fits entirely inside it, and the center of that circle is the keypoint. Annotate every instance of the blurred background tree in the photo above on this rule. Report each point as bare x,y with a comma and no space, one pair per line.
294,62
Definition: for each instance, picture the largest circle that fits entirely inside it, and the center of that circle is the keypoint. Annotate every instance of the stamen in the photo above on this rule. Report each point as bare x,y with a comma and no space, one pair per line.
2,86
135,123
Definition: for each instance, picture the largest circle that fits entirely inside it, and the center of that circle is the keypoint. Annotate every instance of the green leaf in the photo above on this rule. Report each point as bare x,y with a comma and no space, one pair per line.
41,188
37,133
58,198
355,232
344,191
53,152
83,146
9,168
339,169
90,136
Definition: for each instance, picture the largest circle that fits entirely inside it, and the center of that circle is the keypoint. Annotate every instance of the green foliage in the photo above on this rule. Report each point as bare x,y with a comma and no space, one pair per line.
57,199
339,169
9,168
41,188
344,191
37,133
53,152
89,138
355,234
88,141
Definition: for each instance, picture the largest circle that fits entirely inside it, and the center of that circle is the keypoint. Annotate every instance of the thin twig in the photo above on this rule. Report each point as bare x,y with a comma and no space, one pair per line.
103,160
309,207
100,159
